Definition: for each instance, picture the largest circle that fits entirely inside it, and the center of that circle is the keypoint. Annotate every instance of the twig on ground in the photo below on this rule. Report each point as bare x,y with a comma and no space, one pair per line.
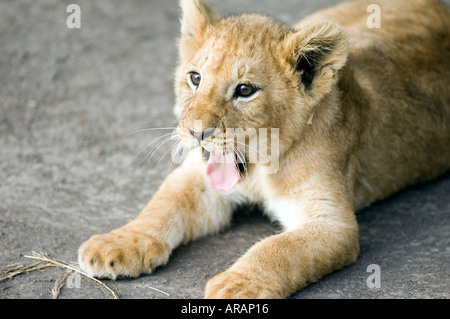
71,266
160,291
15,270
59,284
45,262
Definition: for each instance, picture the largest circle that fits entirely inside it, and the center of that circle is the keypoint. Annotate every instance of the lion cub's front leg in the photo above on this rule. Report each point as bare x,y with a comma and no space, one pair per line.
184,208
325,240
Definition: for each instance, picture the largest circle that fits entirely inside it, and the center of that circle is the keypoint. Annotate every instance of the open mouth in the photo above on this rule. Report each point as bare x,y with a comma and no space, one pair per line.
241,163
223,172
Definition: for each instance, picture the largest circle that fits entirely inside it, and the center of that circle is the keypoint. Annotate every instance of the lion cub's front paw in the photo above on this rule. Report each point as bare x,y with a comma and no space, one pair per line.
233,285
116,254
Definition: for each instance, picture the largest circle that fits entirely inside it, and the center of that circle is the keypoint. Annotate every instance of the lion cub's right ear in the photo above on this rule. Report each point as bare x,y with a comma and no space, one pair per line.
196,18
317,51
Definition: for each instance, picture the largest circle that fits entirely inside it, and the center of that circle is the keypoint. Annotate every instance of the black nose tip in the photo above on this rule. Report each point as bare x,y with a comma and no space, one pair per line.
200,136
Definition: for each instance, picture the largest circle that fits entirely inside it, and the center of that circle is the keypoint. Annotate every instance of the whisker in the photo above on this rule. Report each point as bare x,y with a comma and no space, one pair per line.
252,148
152,129
157,147
165,153
241,158
150,144
170,163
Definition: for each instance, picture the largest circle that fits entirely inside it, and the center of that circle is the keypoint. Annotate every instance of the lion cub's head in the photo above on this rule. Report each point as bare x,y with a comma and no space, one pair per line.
250,75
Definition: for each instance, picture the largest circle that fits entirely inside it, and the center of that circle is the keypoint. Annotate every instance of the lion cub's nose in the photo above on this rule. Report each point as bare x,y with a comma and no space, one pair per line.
200,136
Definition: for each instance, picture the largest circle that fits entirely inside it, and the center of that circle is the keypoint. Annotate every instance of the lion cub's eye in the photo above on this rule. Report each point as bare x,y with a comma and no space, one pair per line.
195,78
245,90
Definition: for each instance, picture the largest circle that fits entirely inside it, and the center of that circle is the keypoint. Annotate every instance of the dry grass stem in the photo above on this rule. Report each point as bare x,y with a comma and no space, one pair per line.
15,270
45,262
71,266
59,284
160,291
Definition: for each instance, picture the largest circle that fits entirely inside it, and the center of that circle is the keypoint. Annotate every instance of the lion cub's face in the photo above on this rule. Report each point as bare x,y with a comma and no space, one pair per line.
250,74
232,81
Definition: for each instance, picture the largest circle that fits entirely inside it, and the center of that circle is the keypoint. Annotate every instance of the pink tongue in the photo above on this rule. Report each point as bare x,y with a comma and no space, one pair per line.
221,172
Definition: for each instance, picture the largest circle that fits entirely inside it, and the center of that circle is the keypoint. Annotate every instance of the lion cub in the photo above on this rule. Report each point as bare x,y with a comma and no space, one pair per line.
348,114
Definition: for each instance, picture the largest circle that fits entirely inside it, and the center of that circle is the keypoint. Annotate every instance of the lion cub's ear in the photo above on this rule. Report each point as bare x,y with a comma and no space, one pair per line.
317,51
196,17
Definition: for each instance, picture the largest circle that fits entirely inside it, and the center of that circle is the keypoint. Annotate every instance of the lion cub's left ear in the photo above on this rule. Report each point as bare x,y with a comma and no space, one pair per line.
317,51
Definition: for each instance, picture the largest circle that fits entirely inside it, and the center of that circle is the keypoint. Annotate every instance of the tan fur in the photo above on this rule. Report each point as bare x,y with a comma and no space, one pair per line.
374,119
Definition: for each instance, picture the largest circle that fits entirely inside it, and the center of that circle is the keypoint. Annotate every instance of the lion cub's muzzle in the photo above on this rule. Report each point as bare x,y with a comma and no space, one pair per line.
208,133
225,163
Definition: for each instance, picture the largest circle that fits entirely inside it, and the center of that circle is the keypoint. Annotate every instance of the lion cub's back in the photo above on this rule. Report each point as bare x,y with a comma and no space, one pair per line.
403,68
399,21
